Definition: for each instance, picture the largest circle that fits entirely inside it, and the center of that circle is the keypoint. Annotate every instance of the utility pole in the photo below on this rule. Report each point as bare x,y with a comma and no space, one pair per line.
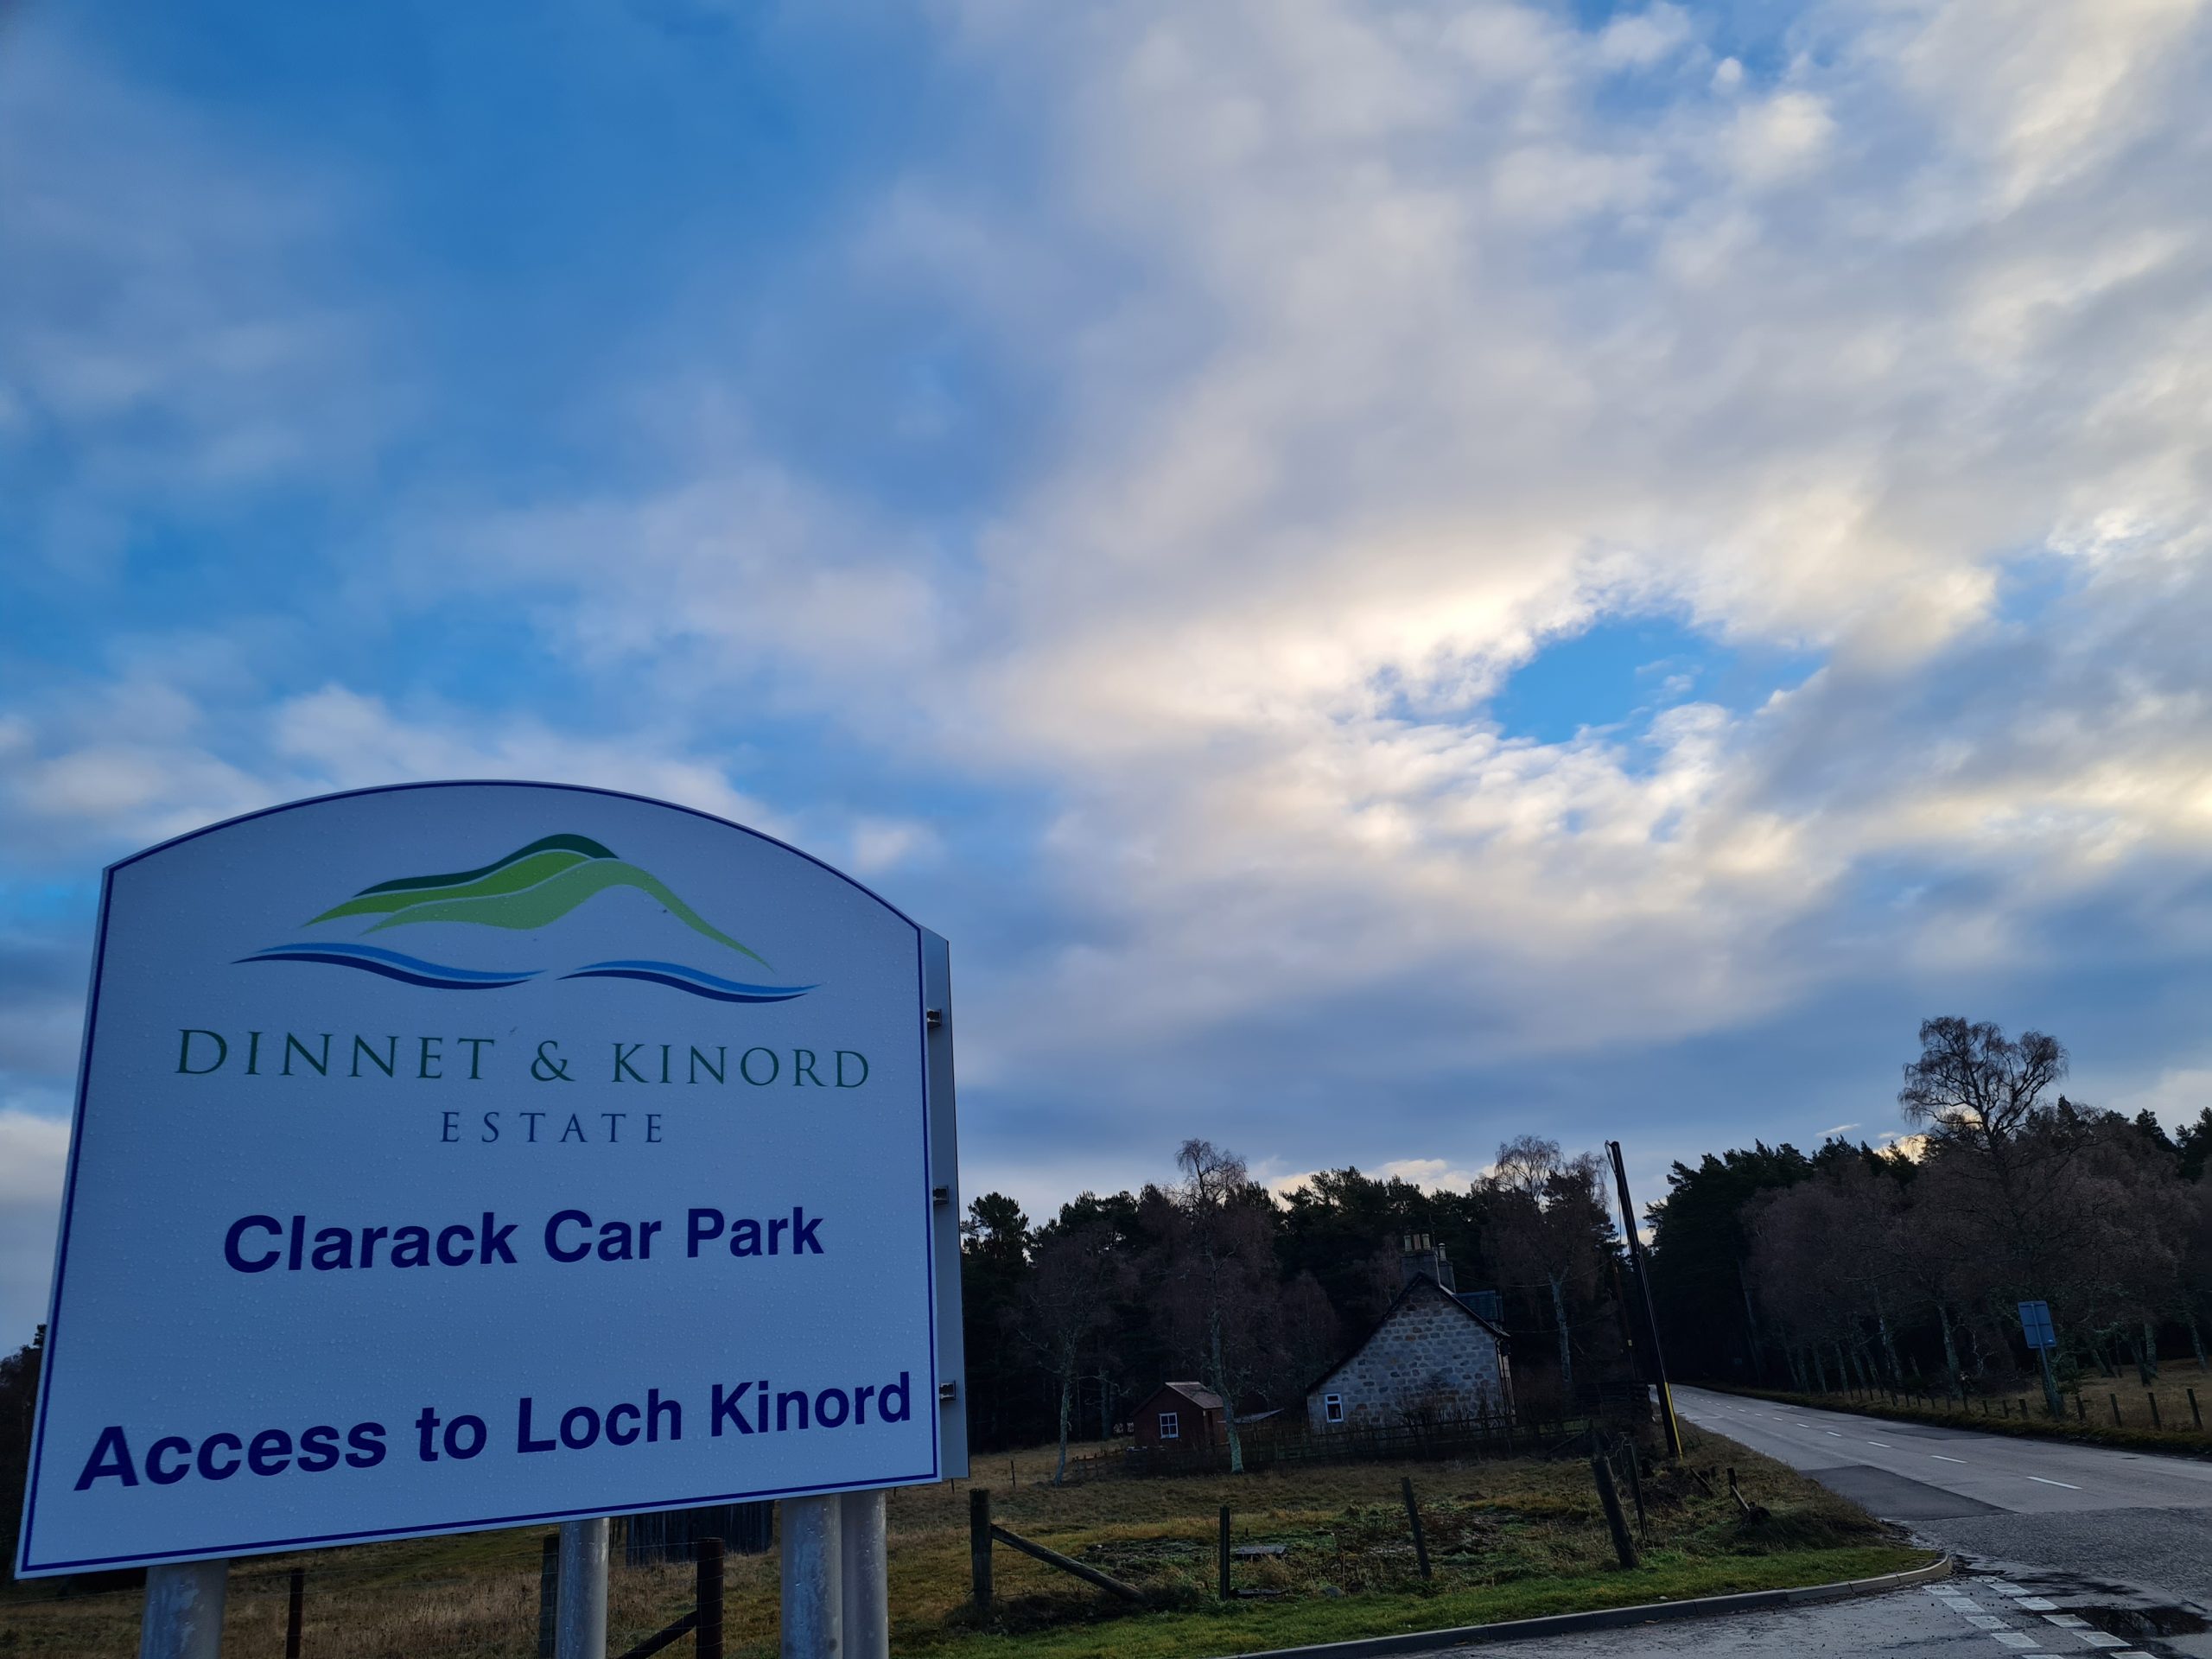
1650,1315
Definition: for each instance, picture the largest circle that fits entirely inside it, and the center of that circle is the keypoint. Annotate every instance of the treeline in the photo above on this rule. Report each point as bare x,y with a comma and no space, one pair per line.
1072,1321
1906,1268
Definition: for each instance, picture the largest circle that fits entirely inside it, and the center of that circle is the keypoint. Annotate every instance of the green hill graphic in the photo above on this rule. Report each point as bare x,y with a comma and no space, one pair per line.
529,888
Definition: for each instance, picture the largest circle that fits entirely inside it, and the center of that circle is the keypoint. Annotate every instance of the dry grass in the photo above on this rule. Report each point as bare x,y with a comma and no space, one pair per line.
1507,1539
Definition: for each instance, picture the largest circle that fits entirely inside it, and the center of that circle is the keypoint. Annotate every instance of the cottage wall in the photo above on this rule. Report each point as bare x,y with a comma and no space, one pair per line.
1429,1360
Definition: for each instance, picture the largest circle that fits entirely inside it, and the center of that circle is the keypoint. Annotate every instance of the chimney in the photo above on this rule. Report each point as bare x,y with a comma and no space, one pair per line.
1420,1256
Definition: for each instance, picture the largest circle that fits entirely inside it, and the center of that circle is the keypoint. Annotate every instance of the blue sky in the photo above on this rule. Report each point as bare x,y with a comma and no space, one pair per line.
1391,576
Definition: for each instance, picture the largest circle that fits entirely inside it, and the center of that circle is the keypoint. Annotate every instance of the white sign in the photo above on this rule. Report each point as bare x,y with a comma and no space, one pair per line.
469,1154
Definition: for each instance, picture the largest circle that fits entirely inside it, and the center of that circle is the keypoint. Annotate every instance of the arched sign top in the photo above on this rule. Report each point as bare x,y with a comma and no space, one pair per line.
453,1155
511,783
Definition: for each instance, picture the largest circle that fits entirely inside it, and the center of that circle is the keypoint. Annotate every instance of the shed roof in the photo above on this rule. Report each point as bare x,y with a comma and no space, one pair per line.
1197,1393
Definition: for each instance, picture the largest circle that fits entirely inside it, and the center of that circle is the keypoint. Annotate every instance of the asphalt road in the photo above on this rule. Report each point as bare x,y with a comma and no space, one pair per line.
2066,1548
2132,1518
1967,1619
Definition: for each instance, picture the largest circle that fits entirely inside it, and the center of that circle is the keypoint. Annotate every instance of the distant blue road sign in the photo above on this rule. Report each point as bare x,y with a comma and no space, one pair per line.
2034,1323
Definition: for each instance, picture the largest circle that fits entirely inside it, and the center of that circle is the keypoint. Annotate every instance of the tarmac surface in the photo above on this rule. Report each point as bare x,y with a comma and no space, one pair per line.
2063,1548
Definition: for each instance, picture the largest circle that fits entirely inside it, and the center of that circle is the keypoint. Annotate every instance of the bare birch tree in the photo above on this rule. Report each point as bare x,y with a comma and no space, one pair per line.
1074,1279
1221,1289
1549,1224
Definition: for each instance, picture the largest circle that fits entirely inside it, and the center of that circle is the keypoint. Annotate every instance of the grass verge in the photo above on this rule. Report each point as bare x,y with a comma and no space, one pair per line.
1507,1539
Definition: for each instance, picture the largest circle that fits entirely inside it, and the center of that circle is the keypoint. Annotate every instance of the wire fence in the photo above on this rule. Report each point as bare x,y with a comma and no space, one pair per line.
2174,1410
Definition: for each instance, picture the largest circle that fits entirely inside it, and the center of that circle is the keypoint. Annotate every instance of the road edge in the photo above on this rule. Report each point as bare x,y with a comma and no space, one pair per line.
1651,1612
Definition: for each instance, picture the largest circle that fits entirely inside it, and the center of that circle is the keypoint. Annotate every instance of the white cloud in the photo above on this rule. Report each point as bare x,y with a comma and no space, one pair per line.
1432,1174
176,307
91,771
1780,136
1254,608
2175,1097
1245,618
34,1150
1640,39
880,844
1386,347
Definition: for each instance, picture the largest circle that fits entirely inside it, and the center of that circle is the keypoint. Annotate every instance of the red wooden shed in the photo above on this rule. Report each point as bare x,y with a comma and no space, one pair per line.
1179,1415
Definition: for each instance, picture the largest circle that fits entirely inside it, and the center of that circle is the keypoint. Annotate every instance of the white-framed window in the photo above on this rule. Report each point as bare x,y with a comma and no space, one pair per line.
1332,1408
1171,1426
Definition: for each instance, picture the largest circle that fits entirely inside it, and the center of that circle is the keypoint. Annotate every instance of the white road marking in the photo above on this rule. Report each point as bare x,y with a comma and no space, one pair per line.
2071,1621
2066,1483
1985,1621
2014,1639
1940,1458
2099,1639
1884,1445
2035,1604
1832,1435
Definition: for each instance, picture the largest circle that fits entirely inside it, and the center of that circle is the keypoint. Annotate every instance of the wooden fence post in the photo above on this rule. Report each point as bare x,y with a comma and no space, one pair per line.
2194,1413
2154,1399
979,1549
1225,1553
710,1598
1623,1546
1635,1488
1420,1539
2115,1409
293,1608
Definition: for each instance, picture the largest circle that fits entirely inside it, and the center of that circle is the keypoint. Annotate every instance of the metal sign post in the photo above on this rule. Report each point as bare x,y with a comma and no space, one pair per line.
813,1578
581,1631
866,1595
2043,1336
184,1611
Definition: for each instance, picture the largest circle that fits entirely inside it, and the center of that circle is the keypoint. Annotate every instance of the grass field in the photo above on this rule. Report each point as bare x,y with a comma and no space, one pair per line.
2102,1412
1508,1539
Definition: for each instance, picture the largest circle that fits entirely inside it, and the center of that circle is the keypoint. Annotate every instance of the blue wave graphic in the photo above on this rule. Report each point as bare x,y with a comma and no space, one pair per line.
694,979
410,971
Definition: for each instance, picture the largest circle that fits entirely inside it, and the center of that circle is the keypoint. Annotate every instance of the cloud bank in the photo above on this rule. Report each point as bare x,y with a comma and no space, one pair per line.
1115,520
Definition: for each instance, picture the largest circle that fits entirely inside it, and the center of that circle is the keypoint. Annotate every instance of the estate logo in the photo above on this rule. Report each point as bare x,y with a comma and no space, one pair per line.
529,889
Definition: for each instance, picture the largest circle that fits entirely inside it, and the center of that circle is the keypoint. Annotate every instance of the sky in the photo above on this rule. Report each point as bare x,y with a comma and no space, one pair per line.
1391,575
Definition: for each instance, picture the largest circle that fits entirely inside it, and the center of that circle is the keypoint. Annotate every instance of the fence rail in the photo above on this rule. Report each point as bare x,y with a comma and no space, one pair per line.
1494,1437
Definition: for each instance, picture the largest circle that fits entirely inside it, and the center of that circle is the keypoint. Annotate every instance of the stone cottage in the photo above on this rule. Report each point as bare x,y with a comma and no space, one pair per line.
1431,1358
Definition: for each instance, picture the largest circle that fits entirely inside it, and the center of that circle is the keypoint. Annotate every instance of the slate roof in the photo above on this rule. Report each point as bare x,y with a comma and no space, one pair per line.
1353,1352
